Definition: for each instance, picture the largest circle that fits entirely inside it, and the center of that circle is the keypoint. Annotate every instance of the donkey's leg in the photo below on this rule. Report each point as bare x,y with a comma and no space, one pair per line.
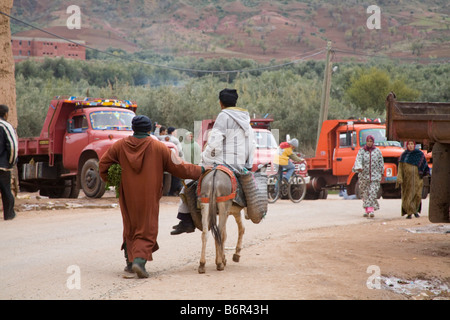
205,210
241,229
223,208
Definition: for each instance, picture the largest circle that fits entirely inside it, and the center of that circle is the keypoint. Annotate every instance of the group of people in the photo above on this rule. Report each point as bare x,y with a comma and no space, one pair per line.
188,149
412,168
231,142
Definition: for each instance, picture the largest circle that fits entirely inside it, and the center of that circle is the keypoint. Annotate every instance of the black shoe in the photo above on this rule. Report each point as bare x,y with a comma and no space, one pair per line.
128,268
183,227
10,217
177,225
416,215
138,266
408,217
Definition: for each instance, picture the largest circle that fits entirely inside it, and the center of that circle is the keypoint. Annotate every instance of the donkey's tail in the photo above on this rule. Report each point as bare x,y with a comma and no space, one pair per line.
212,214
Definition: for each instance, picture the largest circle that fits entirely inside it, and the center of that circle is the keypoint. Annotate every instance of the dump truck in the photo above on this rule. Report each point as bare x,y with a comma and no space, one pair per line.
76,133
338,145
427,123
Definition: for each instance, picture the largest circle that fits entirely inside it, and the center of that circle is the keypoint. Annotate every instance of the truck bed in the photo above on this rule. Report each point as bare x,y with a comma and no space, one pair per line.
33,146
418,121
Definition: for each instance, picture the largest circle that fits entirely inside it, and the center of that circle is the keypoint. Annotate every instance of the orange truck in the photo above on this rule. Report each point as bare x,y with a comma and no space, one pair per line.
338,145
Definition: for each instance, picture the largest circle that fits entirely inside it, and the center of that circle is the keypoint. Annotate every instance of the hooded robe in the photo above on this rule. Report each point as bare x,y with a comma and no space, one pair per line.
143,162
231,141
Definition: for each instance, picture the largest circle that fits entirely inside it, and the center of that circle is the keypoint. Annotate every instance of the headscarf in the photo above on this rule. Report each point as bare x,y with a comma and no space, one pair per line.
373,145
416,158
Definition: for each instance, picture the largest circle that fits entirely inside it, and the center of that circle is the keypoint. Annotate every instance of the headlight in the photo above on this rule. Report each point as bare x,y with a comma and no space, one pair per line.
302,166
388,172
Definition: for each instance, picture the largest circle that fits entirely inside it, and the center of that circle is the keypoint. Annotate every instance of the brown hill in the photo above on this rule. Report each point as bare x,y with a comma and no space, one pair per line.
260,30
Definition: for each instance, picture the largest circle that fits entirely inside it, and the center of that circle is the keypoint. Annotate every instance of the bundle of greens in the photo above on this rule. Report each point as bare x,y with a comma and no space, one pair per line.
114,177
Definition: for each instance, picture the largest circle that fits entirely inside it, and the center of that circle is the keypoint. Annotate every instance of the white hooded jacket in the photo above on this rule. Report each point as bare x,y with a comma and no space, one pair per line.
231,141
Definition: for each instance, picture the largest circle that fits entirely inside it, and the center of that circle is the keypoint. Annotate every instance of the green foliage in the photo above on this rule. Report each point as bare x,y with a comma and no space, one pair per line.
369,88
114,177
291,95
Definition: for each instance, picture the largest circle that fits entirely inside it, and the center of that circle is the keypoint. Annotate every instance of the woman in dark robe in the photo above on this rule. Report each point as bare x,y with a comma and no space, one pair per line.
412,168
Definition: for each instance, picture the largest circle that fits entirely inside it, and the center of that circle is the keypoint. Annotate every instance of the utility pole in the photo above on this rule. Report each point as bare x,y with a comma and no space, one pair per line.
323,115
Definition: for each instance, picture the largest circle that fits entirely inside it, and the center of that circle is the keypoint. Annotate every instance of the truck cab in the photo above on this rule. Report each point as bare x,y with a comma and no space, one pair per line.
339,143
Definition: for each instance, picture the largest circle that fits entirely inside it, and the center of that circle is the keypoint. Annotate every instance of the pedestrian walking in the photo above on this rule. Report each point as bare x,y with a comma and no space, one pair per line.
143,161
369,165
412,167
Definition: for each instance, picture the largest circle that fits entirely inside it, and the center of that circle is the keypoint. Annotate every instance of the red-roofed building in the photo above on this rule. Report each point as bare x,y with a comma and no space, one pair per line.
26,47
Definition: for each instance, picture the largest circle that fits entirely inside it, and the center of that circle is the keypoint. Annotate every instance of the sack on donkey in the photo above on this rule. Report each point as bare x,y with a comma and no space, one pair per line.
254,185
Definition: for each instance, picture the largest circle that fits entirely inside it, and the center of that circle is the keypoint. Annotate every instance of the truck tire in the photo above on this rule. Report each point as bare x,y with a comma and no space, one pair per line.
91,183
71,190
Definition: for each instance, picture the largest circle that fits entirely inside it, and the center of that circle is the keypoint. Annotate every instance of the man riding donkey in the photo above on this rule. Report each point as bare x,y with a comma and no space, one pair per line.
230,143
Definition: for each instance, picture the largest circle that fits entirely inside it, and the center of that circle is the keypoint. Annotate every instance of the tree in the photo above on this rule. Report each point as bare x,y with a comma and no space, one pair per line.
369,88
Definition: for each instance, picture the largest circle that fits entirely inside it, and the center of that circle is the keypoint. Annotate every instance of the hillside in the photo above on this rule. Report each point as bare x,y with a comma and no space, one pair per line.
259,30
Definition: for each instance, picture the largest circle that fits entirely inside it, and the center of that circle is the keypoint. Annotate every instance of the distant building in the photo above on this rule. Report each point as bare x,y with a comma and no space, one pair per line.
26,47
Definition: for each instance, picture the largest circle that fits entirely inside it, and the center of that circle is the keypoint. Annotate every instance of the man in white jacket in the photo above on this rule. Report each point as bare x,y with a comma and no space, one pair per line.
231,142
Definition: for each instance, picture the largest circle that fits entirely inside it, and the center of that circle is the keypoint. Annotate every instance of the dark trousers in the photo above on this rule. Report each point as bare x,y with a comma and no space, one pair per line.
7,196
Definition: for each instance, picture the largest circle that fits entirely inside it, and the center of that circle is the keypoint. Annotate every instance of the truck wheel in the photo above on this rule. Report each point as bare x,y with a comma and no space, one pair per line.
71,190
91,183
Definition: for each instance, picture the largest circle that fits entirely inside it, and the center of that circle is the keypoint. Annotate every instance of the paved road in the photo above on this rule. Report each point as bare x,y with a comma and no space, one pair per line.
75,253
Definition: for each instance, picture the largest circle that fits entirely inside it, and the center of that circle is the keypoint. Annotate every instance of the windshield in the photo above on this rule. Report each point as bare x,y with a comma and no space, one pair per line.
110,120
265,139
379,135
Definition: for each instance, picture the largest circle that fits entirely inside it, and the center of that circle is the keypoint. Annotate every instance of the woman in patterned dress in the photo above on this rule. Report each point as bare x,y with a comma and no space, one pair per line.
369,164
412,167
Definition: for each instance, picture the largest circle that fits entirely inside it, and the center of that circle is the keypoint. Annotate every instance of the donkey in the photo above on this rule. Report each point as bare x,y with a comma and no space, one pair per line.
216,193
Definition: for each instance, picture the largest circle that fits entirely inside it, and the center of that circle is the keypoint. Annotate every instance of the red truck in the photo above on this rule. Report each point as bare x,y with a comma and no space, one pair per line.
339,142
75,135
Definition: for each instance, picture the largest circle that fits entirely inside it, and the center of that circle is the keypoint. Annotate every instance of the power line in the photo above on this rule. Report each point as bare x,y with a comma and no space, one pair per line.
165,66
362,54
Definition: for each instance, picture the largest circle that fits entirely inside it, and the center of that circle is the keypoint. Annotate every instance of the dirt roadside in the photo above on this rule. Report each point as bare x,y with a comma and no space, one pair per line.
324,263
383,258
